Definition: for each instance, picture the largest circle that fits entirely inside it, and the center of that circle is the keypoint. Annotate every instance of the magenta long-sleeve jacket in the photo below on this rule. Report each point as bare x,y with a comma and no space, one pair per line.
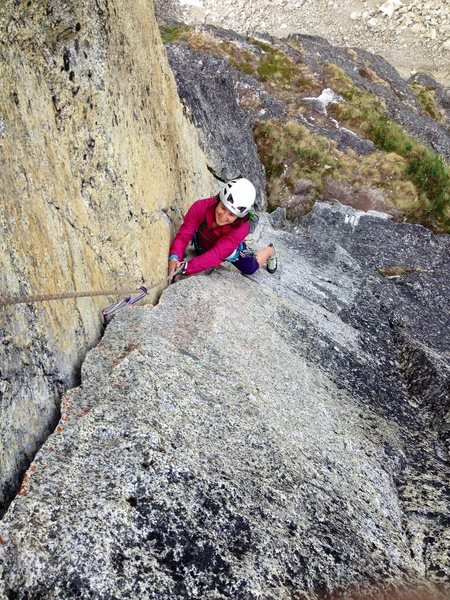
218,242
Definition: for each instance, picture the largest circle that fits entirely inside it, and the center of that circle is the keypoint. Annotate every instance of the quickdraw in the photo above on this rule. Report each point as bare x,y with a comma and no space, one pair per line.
114,308
107,312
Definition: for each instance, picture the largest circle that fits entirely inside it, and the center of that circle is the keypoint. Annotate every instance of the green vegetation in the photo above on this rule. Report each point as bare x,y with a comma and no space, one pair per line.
276,64
280,73
174,34
411,176
289,152
427,100
242,60
365,113
285,79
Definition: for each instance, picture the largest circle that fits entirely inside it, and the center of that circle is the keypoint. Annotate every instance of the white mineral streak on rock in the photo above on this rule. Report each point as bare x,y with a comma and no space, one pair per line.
349,131
321,102
379,215
390,6
352,218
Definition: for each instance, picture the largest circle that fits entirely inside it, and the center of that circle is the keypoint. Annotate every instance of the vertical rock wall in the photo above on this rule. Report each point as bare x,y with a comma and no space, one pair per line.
96,161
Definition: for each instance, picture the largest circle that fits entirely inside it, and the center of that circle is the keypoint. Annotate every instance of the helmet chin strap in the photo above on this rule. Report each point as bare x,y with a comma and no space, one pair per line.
218,177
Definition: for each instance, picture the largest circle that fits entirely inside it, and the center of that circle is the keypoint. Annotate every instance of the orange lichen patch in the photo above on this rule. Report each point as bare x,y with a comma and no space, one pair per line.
66,408
59,429
24,486
100,345
2,541
119,357
34,468
83,412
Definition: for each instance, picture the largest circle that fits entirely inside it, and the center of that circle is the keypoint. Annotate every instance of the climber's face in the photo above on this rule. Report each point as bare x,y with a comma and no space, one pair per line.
223,216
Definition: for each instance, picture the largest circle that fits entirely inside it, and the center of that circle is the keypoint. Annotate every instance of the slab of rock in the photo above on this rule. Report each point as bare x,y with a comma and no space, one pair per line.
269,436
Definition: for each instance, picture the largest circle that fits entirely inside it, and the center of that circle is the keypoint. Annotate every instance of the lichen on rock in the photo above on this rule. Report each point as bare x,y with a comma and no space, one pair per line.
98,163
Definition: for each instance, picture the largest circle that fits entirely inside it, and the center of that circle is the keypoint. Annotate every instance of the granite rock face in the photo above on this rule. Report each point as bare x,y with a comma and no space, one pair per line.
208,87
96,162
272,436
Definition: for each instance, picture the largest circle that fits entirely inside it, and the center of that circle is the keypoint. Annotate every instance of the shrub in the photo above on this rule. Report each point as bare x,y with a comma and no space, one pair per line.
425,168
174,34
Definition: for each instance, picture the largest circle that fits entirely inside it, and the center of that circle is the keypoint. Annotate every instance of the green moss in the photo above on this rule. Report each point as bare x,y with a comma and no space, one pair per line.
399,271
365,113
174,34
427,100
263,45
276,65
242,60
243,67
282,74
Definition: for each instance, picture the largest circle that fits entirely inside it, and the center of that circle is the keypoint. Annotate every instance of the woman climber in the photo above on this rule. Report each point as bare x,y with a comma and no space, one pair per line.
217,227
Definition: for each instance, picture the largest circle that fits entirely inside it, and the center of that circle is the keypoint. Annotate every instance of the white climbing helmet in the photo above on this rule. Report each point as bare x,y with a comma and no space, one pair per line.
238,195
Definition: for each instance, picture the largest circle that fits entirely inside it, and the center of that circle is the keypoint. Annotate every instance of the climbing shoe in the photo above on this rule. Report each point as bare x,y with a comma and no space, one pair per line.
272,262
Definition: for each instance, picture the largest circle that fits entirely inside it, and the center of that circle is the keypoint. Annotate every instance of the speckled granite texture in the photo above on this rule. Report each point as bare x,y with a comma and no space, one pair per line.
267,437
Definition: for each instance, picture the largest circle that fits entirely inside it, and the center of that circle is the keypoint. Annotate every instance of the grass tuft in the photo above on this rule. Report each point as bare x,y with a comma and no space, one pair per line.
174,34
427,101
399,271
366,114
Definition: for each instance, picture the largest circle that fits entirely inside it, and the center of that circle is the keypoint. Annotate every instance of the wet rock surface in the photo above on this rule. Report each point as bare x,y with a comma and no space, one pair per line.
255,437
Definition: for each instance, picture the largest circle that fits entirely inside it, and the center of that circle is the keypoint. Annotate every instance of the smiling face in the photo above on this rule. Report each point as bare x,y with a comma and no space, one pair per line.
223,216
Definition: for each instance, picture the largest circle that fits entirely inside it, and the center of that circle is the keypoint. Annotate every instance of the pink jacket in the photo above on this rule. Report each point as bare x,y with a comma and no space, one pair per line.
218,242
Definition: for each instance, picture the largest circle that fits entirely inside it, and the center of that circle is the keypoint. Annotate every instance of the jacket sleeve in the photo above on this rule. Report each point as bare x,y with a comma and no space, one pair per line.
222,249
191,222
